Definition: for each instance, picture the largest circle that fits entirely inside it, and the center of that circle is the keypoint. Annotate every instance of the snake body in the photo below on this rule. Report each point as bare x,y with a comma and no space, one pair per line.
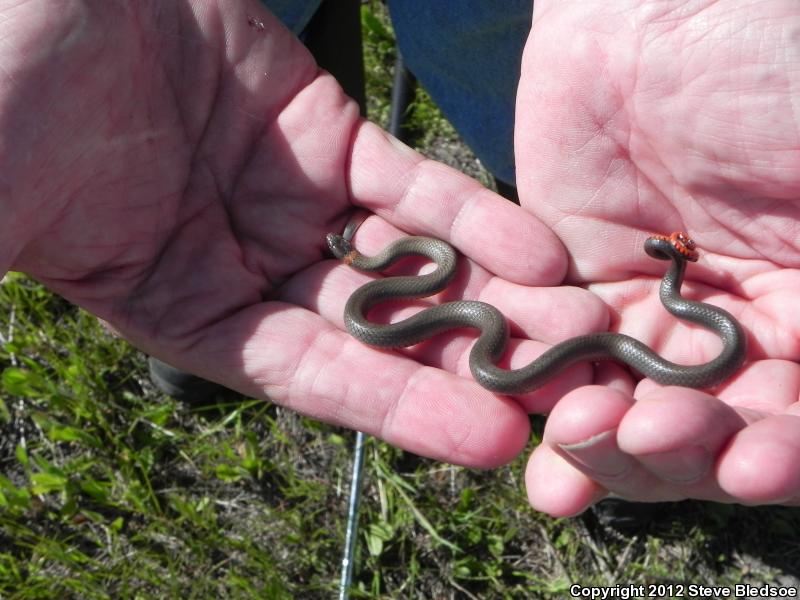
491,344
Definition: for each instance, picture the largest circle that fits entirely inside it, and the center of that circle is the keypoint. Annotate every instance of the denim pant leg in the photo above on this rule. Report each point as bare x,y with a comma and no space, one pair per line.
467,55
295,14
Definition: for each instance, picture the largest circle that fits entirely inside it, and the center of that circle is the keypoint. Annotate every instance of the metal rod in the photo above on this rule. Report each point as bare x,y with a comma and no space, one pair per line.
402,95
403,87
352,518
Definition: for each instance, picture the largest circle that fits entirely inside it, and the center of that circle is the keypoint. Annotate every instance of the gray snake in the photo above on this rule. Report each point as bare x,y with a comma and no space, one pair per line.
491,344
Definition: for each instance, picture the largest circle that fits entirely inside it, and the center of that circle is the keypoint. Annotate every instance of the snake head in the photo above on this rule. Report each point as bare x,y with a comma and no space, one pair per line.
677,244
339,246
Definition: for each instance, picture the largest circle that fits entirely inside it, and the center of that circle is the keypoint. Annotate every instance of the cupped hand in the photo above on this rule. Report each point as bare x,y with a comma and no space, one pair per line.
654,117
174,168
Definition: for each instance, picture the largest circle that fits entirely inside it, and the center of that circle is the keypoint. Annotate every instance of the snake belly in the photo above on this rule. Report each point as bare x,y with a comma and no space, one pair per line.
491,344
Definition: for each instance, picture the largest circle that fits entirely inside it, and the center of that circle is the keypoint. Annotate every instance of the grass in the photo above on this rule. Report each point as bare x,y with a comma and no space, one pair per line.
111,490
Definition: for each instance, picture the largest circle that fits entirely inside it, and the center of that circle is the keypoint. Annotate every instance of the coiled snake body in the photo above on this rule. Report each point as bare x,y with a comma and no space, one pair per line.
491,344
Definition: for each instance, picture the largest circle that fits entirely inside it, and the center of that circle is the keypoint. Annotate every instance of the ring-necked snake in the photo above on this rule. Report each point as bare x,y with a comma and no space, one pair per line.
491,344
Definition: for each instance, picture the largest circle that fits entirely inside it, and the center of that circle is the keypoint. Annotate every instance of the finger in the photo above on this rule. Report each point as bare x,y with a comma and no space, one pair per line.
763,387
675,436
298,359
548,314
635,449
583,428
424,197
677,433
551,314
556,487
751,435
450,350
761,464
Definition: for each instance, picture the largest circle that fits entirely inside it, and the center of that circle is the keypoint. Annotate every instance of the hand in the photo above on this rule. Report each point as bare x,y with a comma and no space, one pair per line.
175,171
659,117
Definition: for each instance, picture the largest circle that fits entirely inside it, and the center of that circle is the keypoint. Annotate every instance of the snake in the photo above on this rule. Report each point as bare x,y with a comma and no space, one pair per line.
491,344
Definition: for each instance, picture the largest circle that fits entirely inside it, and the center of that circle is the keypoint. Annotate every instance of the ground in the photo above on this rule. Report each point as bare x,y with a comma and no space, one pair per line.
109,489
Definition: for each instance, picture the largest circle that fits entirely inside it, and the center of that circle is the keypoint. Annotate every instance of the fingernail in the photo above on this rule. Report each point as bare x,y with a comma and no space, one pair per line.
686,465
600,455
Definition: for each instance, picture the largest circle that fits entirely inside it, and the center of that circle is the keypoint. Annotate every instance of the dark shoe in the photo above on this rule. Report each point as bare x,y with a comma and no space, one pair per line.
180,384
628,517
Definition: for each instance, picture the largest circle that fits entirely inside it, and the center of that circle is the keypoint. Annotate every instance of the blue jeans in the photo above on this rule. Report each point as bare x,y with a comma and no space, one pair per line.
467,55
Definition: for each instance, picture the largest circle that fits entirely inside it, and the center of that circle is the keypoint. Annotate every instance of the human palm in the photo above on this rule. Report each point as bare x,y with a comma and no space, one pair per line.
659,117
175,169
160,168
